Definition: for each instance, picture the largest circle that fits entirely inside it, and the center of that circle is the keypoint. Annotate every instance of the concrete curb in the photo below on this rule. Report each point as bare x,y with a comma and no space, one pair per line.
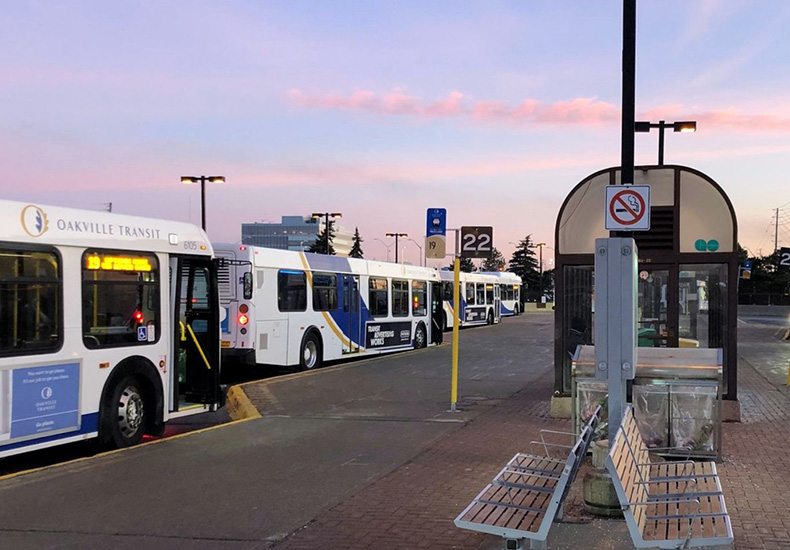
239,405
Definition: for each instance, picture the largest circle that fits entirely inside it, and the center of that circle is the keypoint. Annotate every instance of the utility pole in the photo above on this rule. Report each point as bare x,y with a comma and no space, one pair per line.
629,92
396,235
776,232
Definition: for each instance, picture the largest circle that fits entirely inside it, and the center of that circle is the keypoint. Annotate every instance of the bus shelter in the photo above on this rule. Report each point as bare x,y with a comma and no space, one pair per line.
688,268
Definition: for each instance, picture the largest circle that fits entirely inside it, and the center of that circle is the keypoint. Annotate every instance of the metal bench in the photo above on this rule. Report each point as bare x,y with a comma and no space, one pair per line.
527,494
666,504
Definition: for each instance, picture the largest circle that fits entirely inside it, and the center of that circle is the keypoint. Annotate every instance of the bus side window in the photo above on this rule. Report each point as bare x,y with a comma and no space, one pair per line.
31,311
448,292
325,292
419,300
291,291
378,297
470,294
400,298
481,294
120,298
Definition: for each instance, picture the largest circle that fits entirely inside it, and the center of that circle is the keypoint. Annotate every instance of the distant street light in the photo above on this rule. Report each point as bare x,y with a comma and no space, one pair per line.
326,216
387,246
685,126
189,180
420,247
396,235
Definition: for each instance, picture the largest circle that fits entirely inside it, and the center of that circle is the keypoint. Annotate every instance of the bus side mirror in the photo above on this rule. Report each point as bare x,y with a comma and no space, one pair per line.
247,285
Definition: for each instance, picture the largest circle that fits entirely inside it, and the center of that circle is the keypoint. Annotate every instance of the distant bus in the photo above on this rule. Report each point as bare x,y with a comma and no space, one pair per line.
509,291
480,299
298,309
109,325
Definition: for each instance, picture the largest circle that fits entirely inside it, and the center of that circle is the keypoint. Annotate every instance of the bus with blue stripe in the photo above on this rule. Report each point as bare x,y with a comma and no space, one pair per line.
109,326
479,296
509,292
297,309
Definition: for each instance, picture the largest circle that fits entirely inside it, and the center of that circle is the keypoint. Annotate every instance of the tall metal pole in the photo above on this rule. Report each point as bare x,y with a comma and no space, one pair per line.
541,245
396,248
326,235
629,90
203,202
456,323
661,127
776,232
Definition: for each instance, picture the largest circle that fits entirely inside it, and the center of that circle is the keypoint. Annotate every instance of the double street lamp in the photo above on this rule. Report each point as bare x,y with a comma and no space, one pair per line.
189,180
685,126
387,246
396,235
422,262
326,216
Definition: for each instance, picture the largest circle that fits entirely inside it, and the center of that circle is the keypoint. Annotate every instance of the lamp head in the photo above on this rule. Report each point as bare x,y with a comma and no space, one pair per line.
188,180
216,179
685,126
641,126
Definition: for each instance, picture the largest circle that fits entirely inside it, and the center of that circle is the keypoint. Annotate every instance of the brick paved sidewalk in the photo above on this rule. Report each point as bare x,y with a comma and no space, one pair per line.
414,506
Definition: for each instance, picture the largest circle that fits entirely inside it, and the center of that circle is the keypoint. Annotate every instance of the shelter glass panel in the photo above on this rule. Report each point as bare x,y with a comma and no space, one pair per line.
577,314
703,305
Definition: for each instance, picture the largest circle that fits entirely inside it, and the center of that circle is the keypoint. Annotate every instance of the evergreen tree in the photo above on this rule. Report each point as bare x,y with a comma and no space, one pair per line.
323,244
467,265
356,247
524,264
496,262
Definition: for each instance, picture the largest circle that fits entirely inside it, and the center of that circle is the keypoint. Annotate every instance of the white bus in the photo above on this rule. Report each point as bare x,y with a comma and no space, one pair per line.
290,308
109,324
509,291
480,299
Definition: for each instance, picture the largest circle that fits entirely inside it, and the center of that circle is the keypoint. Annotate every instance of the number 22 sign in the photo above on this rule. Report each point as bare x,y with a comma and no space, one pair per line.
784,258
477,242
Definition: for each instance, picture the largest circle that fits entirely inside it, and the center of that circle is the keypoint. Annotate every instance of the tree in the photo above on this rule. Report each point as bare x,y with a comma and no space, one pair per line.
496,262
524,264
323,244
356,247
467,266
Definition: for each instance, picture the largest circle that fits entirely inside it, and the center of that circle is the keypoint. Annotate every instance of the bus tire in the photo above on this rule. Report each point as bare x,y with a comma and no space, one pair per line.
420,337
310,354
490,319
515,310
125,414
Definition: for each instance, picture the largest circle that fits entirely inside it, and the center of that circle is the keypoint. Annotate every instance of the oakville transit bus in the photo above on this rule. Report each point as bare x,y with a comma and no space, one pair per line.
509,291
109,325
479,295
290,308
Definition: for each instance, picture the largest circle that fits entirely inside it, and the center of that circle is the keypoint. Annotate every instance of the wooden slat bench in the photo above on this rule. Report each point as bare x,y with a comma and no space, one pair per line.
666,505
527,494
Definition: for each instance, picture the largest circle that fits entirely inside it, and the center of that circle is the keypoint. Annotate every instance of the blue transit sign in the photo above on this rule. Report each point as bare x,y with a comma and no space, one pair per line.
747,264
437,222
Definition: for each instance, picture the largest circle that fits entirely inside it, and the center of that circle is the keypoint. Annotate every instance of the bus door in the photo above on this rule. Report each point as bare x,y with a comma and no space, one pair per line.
497,303
437,313
351,308
197,332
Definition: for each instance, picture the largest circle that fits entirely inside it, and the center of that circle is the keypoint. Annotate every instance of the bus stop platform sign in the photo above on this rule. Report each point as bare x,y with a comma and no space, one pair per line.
628,208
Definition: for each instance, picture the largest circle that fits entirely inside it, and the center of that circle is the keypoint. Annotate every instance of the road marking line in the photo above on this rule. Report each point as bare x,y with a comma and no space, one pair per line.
118,451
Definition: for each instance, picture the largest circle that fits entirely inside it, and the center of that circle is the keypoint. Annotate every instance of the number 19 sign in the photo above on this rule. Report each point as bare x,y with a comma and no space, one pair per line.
477,242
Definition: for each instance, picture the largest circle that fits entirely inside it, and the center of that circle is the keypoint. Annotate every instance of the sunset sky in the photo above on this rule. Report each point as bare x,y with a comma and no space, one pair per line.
380,109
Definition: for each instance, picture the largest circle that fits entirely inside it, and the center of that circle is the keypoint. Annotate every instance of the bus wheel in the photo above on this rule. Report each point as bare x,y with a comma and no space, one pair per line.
310,356
420,338
515,310
125,414
490,320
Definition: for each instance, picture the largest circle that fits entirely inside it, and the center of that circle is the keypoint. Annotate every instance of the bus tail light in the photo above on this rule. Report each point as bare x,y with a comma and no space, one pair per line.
243,319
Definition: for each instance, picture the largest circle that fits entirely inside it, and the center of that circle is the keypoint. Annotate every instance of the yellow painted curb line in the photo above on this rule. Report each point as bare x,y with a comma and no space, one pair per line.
239,405
117,451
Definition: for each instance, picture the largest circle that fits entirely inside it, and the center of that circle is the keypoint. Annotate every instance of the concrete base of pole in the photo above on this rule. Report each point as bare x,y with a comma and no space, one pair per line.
560,407
600,498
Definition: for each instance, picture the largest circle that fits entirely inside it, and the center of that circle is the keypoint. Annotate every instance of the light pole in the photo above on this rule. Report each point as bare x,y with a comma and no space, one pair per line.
420,247
387,246
540,246
326,216
396,235
189,180
685,126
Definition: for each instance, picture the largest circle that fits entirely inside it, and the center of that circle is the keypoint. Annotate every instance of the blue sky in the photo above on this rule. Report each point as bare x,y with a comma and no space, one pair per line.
494,110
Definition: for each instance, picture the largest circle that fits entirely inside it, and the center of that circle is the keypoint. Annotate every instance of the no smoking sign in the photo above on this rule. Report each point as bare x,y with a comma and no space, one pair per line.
628,208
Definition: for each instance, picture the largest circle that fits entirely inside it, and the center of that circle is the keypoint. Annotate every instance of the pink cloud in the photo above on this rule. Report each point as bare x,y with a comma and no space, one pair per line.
580,111
456,105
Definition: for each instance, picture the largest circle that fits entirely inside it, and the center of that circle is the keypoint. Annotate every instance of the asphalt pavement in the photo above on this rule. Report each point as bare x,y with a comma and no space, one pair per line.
323,436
